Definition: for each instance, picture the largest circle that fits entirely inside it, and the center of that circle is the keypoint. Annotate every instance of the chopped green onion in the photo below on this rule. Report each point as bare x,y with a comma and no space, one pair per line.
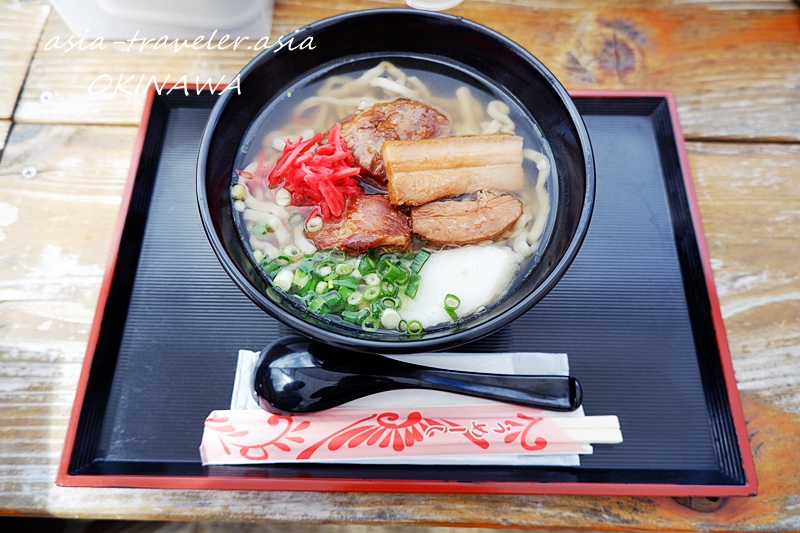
314,224
355,317
295,219
258,255
390,303
419,261
370,324
396,273
451,303
324,269
316,304
355,273
303,288
388,288
343,269
345,292
366,265
271,268
391,257
307,297
300,278
413,285
238,192
372,293
363,314
390,318
306,266
284,279
376,309
331,298
384,265
355,298
362,291
403,275
374,255
414,327
293,253
346,281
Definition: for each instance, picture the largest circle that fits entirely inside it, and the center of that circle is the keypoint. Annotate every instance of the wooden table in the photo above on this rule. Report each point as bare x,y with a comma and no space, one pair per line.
734,66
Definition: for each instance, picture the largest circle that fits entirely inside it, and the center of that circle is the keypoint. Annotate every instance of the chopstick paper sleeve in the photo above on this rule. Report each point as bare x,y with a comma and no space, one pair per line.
256,436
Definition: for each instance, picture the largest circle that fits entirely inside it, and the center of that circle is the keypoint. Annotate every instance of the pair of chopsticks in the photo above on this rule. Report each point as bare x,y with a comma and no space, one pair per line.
590,429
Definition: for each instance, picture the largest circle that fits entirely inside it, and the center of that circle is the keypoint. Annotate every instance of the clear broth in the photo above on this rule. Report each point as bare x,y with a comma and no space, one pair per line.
279,120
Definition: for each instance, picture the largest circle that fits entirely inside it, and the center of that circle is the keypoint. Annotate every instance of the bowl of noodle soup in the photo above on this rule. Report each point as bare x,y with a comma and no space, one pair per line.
467,153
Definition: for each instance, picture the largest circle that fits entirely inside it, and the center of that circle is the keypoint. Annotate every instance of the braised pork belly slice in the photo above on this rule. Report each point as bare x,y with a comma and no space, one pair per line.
400,119
418,172
466,221
369,221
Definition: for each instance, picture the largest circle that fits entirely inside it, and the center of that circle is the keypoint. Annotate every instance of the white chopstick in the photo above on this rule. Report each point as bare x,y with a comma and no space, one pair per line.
591,429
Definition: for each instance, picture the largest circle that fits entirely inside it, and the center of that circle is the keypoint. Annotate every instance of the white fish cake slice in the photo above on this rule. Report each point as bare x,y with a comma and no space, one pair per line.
477,275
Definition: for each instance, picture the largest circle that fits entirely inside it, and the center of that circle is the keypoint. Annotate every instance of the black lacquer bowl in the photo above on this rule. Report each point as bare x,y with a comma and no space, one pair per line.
433,41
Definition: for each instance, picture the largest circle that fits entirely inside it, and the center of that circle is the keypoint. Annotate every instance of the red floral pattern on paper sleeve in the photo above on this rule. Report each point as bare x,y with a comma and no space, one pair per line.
258,451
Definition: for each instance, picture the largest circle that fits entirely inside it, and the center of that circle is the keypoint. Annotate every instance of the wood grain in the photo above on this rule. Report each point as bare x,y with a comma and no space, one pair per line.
21,25
53,254
732,65
749,196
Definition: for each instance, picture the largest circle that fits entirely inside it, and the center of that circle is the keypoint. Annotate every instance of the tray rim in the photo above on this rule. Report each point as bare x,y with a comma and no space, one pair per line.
226,482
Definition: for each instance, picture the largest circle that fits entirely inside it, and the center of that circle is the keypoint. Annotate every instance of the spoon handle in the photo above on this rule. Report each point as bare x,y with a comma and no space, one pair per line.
557,393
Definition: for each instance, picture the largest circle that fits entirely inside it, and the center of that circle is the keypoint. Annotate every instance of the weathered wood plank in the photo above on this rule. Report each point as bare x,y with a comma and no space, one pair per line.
68,76
748,198
56,231
56,228
21,24
5,126
731,64
732,71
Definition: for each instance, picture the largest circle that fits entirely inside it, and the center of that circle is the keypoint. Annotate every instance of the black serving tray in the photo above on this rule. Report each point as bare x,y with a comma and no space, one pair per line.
636,312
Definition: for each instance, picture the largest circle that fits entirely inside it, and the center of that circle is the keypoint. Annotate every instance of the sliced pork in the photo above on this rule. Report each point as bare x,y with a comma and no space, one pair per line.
369,221
423,171
401,119
468,221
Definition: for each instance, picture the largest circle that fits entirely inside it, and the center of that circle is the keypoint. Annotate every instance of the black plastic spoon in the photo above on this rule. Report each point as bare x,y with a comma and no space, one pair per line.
297,375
